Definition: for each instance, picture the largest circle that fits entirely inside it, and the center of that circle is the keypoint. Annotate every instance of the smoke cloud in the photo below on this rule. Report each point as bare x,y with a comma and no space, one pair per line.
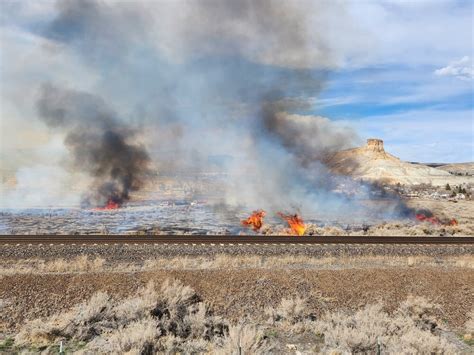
100,145
309,138
196,80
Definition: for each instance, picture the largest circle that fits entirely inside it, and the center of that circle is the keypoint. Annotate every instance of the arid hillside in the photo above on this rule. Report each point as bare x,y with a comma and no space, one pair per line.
372,163
458,168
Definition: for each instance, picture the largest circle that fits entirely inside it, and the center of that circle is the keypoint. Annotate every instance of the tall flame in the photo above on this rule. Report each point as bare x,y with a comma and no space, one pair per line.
295,222
255,220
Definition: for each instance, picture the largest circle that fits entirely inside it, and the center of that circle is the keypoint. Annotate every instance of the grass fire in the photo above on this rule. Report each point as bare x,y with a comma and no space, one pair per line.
295,222
428,216
236,177
111,205
255,221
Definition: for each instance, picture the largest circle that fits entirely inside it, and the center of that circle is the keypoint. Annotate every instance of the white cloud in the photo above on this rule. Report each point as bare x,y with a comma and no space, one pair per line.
411,32
425,135
462,69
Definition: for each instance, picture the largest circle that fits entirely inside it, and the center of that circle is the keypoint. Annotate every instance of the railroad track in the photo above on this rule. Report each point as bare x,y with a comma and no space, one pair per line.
223,240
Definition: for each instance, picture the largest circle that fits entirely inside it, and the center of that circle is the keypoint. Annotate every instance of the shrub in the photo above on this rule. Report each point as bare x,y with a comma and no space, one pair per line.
469,326
249,338
371,329
291,310
173,319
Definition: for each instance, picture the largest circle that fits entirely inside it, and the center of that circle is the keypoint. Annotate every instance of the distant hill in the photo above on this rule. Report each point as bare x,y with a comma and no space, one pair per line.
459,168
372,163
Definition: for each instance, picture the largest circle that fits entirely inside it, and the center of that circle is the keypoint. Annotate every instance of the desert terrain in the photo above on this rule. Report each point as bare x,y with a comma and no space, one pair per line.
169,171
288,299
372,163
387,196
279,299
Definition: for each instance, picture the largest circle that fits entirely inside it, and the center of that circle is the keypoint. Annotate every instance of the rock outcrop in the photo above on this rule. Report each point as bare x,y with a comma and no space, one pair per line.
372,163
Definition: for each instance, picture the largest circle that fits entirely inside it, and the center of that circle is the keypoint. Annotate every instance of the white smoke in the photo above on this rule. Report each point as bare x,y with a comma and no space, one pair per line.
210,77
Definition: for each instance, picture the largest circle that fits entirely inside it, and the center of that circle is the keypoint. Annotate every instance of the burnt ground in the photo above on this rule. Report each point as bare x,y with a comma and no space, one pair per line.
191,217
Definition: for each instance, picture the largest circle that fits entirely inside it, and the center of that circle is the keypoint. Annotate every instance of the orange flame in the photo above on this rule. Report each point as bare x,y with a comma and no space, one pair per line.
255,220
423,218
111,205
434,220
295,222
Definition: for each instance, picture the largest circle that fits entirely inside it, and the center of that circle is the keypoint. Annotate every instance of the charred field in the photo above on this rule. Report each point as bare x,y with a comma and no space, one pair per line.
169,208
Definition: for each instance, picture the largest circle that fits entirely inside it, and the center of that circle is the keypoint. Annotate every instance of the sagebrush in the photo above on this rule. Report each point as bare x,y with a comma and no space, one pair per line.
174,319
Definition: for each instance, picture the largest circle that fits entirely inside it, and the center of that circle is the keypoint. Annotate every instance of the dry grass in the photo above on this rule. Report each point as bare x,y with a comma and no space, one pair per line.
396,228
249,338
173,319
3,303
84,264
469,326
410,330
80,264
289,310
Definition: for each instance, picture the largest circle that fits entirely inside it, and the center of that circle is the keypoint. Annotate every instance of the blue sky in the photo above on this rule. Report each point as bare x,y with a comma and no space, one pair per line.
421,115
397,70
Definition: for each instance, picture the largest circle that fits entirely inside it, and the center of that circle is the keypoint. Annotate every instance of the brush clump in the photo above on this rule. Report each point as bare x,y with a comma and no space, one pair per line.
411,329
174,319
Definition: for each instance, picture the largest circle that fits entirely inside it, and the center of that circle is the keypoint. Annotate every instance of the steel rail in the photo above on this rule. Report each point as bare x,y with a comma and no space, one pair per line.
226,240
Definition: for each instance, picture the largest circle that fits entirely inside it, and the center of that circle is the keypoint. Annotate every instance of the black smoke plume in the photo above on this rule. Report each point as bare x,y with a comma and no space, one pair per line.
100,144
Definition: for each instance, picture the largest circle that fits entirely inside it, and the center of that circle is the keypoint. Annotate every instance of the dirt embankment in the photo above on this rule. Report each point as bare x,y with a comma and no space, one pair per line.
234,290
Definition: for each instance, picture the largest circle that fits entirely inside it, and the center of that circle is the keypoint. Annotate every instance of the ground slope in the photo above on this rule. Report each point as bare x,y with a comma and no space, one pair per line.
373,163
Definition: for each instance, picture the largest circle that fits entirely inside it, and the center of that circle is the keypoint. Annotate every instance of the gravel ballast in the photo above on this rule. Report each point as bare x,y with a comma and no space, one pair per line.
140,252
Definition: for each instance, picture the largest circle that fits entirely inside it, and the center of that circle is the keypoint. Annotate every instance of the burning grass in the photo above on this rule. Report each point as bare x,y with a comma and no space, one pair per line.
173,318
427,216
392,228
255,220
150,218
296,223
110,205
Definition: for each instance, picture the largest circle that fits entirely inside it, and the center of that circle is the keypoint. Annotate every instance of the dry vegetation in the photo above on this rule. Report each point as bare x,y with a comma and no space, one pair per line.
263,303
395,228
174,319
411,329
123,221
85,263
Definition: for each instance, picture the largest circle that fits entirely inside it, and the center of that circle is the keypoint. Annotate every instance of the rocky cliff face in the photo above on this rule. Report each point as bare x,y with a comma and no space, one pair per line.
375,145
372,163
